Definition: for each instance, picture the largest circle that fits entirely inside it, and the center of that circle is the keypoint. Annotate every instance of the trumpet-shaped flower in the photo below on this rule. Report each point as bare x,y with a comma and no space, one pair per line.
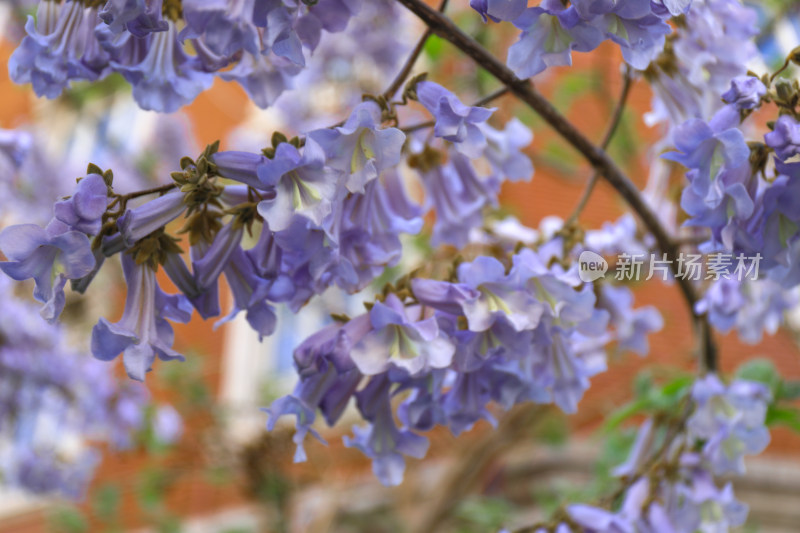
142,333
361,149
49,258
402,339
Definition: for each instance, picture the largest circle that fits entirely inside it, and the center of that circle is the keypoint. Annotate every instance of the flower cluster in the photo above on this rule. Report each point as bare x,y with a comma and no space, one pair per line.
552,30
496,333
726,423
52,399
260,44
732,192
737,193
712,45
282,225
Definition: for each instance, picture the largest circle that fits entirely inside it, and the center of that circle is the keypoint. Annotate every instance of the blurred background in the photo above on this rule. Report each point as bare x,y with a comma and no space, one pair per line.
222,473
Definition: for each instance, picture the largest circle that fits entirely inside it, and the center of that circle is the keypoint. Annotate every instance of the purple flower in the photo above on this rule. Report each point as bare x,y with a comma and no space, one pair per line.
205,300
401,338
82,212
467,400
785,138
382,441
631,326
708,149
455,121
331,346
249,294
710,49
58,48
726,207
631,24
167,425
595,520
142,333
673,7
549,34
326,390
616,237
766,304
360,149
366,231
267,258
639,451
722,303
302,403
264,78
226,26
166,78
139,17
280,36
697,503
730,420
208,268
239,166
334,15
458,196
560,367
303,185
484,294
745,92
498,10
49,258
143,220
503,150
43,473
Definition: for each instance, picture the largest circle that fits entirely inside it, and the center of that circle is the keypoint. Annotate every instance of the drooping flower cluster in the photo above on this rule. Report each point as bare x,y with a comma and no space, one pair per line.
738,194
20,158
54,402
325,210
552,30
733,192
346,64
260,44
328,208
726,423
711,47
496,334
456,191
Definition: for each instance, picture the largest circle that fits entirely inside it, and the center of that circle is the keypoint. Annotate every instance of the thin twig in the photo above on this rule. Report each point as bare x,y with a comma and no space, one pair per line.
398,81
616,118
597,157
155,190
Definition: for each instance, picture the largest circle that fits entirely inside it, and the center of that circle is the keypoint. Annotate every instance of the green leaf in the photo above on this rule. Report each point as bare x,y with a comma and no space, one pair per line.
784,416
762,371
678,386
106,502
790,391
628,410
152,489
434,48
643,384
68,520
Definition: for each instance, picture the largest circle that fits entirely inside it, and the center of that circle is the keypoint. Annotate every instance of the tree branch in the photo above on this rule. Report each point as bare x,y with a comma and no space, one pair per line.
412,59
616,118
597,157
